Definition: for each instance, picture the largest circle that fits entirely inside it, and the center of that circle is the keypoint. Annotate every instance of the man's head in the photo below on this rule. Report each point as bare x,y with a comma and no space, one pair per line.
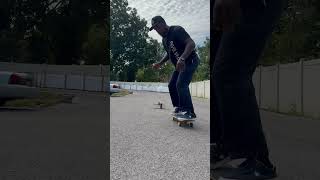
160,25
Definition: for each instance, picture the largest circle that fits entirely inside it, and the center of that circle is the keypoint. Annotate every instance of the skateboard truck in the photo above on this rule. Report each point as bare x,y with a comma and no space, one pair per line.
181,121
160,104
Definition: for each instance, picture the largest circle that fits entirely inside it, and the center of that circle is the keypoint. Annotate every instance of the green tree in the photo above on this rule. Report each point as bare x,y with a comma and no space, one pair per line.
94,50
297,35
203,70
129,41
147,74
165,72
59,28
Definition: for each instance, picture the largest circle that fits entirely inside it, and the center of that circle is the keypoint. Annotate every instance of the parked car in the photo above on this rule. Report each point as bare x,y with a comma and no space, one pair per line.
114,88
16,85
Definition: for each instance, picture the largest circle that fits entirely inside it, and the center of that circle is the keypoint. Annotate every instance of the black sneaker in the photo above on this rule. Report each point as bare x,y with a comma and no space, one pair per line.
264,171
217,157
252,171
247,163
186,115
220,161
193,115
176,111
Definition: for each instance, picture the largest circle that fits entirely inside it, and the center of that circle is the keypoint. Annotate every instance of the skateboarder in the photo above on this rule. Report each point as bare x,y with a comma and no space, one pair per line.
180,49
245,27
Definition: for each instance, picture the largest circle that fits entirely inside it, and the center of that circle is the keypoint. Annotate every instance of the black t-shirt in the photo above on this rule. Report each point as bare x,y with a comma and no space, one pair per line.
174,44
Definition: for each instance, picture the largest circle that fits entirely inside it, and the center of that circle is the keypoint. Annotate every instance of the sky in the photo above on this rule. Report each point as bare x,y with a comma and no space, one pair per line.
193,15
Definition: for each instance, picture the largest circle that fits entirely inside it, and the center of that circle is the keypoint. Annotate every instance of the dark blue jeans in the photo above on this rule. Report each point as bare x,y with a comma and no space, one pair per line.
179,86
236,119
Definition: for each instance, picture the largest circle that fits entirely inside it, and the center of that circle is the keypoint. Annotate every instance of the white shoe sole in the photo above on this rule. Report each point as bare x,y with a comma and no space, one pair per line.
221,163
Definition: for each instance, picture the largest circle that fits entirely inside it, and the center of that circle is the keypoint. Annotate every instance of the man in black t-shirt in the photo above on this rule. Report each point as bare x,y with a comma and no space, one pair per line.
180,50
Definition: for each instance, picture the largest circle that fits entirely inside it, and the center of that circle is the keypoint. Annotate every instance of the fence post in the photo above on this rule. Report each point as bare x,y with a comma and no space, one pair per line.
102,83
84,81
301,85
34,79
37,79
65,80
278,87
102,78
196,89
204,89
45,76
40,81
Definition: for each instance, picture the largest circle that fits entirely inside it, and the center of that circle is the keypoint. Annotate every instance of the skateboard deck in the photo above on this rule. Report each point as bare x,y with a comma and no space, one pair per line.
182,121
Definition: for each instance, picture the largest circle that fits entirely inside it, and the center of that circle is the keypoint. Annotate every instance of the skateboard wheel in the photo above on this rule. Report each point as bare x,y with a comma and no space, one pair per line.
191,124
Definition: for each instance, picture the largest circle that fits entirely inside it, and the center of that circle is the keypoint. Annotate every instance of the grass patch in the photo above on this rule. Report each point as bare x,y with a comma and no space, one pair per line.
200,98
44,100
123,92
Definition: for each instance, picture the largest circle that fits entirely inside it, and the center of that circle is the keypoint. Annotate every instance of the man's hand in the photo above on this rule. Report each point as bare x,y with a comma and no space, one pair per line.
225,14
156,65
180,65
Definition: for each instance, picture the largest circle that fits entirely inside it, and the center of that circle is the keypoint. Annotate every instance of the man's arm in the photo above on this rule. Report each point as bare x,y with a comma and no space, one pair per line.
164,59
159,64
190,46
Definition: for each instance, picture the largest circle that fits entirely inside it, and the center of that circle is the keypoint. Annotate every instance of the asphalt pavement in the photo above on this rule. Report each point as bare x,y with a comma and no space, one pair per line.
69,141
146,144
62,142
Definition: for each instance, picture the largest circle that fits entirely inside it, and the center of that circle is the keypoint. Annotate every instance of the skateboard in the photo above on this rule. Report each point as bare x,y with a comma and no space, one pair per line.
182,121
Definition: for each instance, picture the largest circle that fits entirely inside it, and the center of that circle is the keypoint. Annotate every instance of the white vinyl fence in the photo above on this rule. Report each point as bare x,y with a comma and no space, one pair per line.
197,89
76,77
290,88
293,87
